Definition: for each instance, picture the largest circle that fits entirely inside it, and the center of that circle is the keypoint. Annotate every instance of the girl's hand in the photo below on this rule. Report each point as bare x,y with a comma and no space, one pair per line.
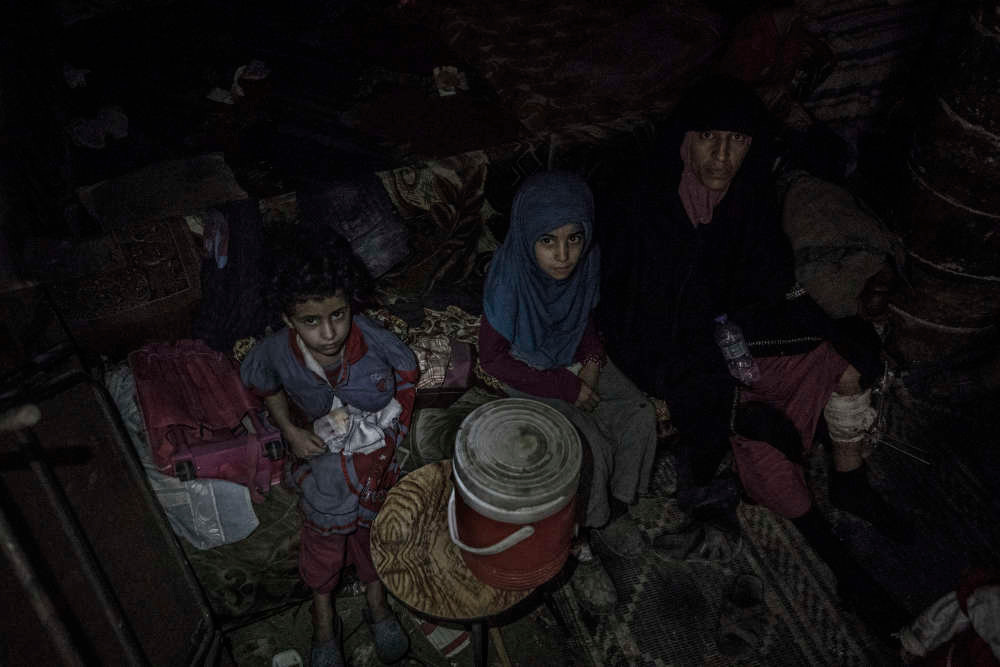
590,374
303,443
664,427
588,398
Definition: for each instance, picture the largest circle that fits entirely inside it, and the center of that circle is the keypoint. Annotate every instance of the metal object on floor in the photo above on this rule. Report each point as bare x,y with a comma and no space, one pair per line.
878,433
107,601
27,575
106,574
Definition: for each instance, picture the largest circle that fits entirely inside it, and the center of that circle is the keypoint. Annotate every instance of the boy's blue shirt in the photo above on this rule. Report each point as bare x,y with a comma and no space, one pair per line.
337,496
372,354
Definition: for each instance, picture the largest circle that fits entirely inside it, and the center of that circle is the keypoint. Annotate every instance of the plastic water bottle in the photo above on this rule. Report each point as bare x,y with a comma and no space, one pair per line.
729,338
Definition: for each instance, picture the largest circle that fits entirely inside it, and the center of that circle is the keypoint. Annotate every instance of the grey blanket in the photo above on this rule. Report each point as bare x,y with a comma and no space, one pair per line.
838,242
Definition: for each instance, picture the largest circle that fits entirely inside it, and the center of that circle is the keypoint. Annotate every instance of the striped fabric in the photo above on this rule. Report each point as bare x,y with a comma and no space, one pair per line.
448,641
873,42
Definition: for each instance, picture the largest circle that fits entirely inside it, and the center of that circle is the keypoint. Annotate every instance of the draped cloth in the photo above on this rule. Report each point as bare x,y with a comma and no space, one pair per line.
544,318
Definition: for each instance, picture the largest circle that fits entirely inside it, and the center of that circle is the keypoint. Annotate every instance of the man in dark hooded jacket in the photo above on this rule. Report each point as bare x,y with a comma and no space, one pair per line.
698,235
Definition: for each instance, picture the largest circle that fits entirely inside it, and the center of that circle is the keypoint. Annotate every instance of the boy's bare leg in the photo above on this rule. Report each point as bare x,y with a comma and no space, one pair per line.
322,617
377,602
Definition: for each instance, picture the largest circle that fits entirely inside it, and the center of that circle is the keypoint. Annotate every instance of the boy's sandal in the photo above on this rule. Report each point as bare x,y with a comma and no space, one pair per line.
328,653
391,641
743,617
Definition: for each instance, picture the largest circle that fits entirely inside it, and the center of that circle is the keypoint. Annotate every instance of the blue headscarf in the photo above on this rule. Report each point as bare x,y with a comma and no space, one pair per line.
544,318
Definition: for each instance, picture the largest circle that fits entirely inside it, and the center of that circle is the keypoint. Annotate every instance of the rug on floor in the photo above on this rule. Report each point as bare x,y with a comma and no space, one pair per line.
668,609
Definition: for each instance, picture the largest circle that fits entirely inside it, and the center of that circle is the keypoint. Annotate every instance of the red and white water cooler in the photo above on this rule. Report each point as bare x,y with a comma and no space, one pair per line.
512,511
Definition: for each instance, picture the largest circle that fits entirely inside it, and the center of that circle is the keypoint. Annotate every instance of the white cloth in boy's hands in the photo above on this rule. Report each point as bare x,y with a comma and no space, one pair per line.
349,430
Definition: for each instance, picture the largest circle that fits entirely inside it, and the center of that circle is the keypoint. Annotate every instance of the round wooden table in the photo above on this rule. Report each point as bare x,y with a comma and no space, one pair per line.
420,565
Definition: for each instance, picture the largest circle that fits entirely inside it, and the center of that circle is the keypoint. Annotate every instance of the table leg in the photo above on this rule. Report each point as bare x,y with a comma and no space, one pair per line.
480,643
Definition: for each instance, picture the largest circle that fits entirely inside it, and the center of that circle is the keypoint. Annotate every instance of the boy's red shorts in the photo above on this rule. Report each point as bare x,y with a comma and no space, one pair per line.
322,557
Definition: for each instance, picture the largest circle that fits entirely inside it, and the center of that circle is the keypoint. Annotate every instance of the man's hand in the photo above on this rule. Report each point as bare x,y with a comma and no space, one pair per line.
303,443
588,398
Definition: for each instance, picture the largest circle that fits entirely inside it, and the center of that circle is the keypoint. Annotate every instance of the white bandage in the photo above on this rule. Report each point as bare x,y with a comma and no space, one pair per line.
848,418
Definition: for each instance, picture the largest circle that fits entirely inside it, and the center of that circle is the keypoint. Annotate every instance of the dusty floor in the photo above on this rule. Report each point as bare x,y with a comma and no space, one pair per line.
951,501
532,639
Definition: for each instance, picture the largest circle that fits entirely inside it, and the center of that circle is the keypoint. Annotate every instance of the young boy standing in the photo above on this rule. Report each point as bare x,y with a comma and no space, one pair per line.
326,353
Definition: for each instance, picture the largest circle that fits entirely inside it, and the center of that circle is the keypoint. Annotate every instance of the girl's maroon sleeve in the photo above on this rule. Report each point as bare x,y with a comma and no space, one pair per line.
591,348
496,359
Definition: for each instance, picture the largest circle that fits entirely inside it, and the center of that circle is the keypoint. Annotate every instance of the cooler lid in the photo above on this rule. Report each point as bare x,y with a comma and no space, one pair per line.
516,453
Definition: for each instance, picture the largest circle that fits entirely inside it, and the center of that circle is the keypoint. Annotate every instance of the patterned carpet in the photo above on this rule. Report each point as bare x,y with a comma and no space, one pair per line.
668,609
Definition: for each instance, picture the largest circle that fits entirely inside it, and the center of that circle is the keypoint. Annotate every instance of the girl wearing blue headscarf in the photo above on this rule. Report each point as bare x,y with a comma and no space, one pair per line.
538,339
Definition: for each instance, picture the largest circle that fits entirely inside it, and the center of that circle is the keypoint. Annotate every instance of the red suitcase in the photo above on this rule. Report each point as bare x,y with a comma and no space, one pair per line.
200,419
